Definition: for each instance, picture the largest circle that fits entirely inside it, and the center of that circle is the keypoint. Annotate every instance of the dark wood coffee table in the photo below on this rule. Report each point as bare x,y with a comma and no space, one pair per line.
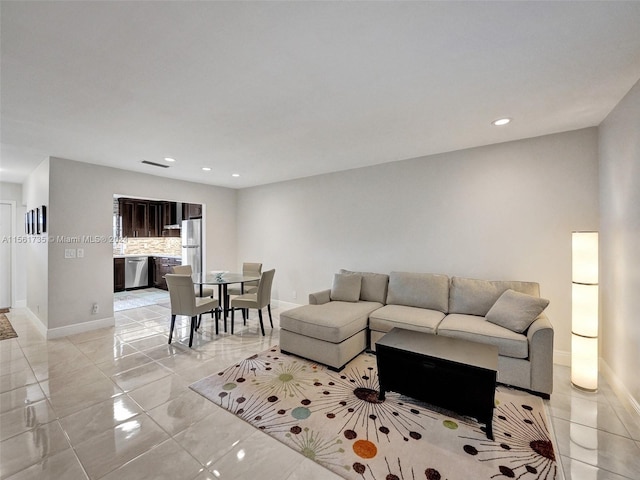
451,373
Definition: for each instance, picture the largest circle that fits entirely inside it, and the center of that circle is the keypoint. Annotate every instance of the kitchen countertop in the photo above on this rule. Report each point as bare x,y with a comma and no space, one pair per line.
163,255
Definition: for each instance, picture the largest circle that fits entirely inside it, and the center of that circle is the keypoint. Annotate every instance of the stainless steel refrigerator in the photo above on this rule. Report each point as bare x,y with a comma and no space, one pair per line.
191,234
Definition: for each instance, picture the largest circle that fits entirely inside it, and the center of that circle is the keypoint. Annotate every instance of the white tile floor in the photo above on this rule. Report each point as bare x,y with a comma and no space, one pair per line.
115,404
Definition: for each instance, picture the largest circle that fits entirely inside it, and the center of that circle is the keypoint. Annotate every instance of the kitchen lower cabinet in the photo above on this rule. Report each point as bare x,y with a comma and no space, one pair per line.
118,275
160,267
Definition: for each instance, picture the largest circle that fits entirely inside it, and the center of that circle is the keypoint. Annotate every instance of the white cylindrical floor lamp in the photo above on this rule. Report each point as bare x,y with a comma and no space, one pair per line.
584,311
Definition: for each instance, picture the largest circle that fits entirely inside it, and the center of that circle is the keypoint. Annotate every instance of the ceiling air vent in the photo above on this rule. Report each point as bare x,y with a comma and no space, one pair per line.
155,164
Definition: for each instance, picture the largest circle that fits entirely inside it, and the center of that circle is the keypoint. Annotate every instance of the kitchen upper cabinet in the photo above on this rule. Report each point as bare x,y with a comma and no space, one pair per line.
191,210
153,219
169,216
140,218
147,218
169,213
126,214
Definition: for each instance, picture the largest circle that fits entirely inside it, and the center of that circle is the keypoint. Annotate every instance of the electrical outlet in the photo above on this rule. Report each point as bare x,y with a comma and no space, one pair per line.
294,295
81,253
95,308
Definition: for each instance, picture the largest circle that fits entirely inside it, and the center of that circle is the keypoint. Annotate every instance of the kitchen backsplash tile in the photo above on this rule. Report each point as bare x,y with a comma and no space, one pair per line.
149,245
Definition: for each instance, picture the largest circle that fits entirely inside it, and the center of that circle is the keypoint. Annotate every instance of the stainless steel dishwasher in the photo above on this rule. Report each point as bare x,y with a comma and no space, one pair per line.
136,272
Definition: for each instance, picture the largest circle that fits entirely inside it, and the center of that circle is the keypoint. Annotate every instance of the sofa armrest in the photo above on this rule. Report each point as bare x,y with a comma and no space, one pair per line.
319,298
540,338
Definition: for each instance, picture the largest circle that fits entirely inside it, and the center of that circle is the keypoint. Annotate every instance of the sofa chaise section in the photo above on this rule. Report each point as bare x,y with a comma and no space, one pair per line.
332,331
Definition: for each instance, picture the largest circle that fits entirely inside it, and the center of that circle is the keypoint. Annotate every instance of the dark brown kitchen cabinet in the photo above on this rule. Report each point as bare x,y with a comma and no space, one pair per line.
153,220
169,217
134,214
126,214
148,218
191,210
160,267
140,218
118,274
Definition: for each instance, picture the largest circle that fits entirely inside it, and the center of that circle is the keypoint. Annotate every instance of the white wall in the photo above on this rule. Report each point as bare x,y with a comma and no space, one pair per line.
13,192
81,204
35,193
503,211
620,242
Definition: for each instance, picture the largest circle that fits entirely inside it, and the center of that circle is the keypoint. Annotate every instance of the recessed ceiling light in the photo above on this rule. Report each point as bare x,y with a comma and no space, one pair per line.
169,159
235,174
501,121
206,169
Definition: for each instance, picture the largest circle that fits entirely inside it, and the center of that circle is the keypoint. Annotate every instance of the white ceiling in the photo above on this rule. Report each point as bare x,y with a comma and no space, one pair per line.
281,90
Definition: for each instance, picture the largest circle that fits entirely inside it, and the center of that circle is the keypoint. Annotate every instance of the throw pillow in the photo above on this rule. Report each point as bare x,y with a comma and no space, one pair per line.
516,311
346,287
374,285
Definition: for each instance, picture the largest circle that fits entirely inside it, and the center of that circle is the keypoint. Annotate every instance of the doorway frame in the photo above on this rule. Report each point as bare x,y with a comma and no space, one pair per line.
12,252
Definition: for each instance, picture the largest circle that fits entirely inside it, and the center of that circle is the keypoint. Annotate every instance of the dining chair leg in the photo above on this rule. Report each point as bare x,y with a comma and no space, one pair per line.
193,325
173,324
270,318
232,310
261,324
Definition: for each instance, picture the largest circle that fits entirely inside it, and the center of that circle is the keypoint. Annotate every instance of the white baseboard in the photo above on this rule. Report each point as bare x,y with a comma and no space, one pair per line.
51,333
560,357
619,388
80,327
621,391
20,304
42,329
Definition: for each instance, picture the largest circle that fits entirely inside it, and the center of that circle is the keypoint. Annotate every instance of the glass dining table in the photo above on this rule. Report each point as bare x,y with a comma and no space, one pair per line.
222,280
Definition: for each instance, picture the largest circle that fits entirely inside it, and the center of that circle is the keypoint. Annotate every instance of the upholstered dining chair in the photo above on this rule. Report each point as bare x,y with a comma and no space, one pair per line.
258,300
248,268
184,302
187,270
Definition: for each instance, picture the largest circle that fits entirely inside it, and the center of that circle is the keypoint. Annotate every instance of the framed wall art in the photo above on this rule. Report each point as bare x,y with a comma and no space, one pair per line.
42,220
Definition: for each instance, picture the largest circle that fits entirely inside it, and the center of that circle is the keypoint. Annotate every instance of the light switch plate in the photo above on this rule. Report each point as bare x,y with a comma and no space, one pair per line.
69,253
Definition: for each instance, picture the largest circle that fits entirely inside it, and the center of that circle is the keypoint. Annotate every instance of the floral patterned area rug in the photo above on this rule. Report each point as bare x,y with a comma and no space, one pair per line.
336,419
6,330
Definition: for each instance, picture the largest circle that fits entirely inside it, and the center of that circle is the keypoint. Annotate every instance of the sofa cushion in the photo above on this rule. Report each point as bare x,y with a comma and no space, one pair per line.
332,322
476,297
422,290
346,288
477,329
374,285
409,318
516,311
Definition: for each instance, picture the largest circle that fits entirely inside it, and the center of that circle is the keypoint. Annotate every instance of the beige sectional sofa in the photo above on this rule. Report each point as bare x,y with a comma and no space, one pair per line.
341,322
